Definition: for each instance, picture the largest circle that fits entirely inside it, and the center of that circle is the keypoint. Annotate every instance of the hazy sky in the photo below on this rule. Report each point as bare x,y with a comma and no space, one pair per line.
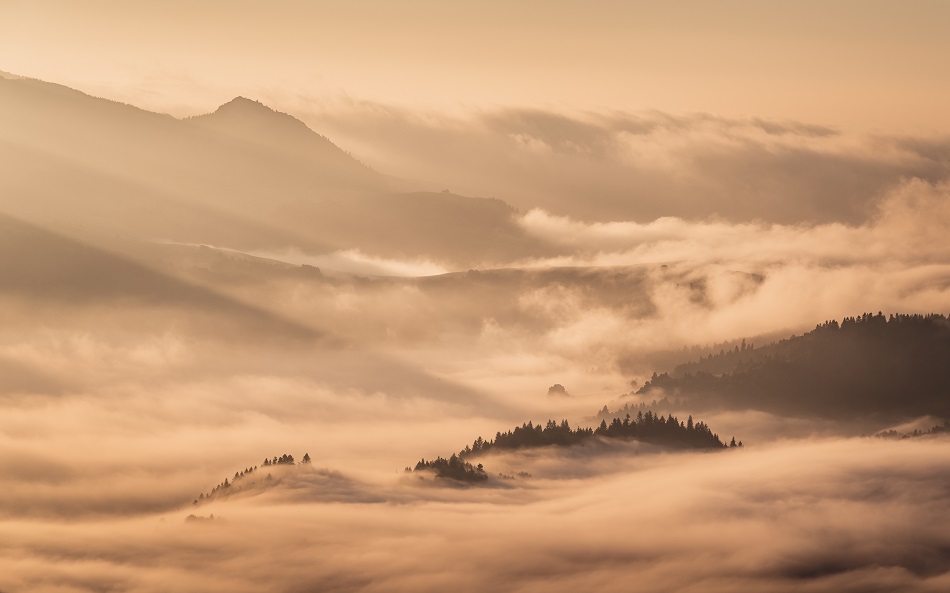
864,65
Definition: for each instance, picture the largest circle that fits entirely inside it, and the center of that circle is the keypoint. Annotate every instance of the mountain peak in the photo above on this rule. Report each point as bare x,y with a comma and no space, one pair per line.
243,103
253,122
251,116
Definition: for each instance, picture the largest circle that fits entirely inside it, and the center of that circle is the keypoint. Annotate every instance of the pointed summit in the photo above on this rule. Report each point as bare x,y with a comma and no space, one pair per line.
244,112
246,117
243,103
253,124
243,100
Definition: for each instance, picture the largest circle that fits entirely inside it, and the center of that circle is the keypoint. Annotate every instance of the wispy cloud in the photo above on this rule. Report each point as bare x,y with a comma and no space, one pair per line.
637,166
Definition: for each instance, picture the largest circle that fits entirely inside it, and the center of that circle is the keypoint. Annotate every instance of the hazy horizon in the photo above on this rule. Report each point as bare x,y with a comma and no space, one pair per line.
845,64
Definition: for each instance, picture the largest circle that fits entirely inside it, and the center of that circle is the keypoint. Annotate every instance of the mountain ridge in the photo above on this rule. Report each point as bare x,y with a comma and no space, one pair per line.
153,177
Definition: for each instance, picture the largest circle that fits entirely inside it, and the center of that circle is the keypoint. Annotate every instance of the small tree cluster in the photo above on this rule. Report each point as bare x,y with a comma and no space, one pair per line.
893,434
225,485
286,459
454,468
653,428
632,408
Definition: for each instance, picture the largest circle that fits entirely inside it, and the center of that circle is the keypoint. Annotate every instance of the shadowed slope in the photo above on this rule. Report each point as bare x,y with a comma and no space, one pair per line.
45,267
868,366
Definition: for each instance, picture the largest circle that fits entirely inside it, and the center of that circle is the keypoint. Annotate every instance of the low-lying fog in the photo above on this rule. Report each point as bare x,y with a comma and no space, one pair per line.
142,362
120,408
822,515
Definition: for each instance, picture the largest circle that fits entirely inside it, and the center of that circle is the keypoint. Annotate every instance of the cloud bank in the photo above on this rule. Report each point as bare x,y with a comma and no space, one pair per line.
867,518
604,166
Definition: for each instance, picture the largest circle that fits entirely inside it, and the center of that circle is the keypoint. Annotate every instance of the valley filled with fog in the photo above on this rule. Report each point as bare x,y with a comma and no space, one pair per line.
182,299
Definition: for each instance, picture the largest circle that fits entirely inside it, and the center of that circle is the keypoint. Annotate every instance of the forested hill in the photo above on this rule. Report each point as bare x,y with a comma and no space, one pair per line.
891,367
670,432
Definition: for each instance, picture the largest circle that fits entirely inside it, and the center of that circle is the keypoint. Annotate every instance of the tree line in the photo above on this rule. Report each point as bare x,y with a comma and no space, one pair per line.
227,485
454,468
648,427
286,459
936,429
606,413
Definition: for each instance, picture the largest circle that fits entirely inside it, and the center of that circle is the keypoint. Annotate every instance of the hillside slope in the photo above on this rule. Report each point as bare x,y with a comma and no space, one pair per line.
893,367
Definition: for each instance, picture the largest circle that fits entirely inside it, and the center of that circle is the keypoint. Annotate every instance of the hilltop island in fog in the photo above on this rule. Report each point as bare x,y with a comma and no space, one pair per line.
794,371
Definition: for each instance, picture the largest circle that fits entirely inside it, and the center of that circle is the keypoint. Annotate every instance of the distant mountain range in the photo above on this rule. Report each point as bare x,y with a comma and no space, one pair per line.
891,367
244,177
